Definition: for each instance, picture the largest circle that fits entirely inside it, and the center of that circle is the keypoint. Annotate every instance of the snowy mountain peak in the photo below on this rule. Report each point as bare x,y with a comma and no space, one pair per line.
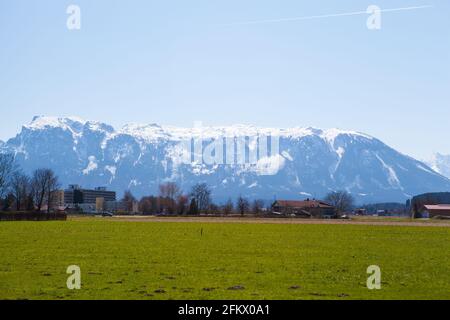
144,131
44,122
440,163
99,126
75,125
331,134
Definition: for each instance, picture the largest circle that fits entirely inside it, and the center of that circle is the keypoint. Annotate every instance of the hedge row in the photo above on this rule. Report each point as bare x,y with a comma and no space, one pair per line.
31,216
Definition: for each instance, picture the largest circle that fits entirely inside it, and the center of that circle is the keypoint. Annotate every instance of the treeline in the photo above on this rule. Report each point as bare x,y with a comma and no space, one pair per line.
20,192
388,207
172,201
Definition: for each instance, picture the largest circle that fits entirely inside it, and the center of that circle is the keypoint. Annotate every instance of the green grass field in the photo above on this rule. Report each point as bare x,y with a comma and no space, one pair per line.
159,260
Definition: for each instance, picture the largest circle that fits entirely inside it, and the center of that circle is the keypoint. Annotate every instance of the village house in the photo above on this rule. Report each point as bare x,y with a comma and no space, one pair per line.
305,209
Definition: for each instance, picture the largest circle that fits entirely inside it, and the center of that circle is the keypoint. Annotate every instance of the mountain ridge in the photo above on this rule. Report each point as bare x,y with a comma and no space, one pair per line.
139,157
139,130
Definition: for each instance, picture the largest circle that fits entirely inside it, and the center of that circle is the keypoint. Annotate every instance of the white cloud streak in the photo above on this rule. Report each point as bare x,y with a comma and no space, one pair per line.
324,16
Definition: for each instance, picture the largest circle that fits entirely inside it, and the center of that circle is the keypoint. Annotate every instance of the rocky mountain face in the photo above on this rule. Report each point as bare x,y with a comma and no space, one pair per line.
308,162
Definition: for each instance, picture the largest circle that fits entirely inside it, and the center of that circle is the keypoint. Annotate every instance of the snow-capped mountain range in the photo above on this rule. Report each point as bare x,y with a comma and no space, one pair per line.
310,162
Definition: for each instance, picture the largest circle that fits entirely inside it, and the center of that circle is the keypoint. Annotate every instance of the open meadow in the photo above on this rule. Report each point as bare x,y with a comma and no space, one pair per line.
126,259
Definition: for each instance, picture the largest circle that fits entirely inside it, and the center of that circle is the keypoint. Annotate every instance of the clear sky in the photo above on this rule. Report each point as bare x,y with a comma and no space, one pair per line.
176,62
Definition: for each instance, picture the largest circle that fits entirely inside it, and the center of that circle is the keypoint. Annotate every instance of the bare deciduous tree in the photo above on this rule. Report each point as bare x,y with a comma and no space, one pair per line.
193,208
228,207
7,169
242,205
145,205
257,206
44,184
20,189
341,200
202,195
213,208
128,199
8,202
182,203
169,192
52,187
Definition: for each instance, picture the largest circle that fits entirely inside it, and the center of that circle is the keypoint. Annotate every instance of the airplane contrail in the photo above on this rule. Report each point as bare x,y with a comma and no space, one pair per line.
324,16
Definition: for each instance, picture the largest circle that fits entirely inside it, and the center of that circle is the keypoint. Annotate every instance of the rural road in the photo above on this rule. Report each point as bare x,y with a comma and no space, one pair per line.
368,221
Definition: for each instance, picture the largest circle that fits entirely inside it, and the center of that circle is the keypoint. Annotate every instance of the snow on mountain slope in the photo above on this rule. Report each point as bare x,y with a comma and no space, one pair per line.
440,163
139,157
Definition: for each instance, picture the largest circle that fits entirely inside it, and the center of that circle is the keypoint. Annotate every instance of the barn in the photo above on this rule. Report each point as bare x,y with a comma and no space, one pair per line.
417,203
435,210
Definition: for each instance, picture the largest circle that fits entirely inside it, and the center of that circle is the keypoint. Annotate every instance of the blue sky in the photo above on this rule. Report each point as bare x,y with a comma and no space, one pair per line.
176,62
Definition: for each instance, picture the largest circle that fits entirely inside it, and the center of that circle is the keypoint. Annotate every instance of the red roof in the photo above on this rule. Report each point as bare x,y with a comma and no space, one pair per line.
302,204
438,207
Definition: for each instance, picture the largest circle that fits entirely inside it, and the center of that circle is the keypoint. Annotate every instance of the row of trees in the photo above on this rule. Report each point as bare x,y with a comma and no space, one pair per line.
171,200
21,192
